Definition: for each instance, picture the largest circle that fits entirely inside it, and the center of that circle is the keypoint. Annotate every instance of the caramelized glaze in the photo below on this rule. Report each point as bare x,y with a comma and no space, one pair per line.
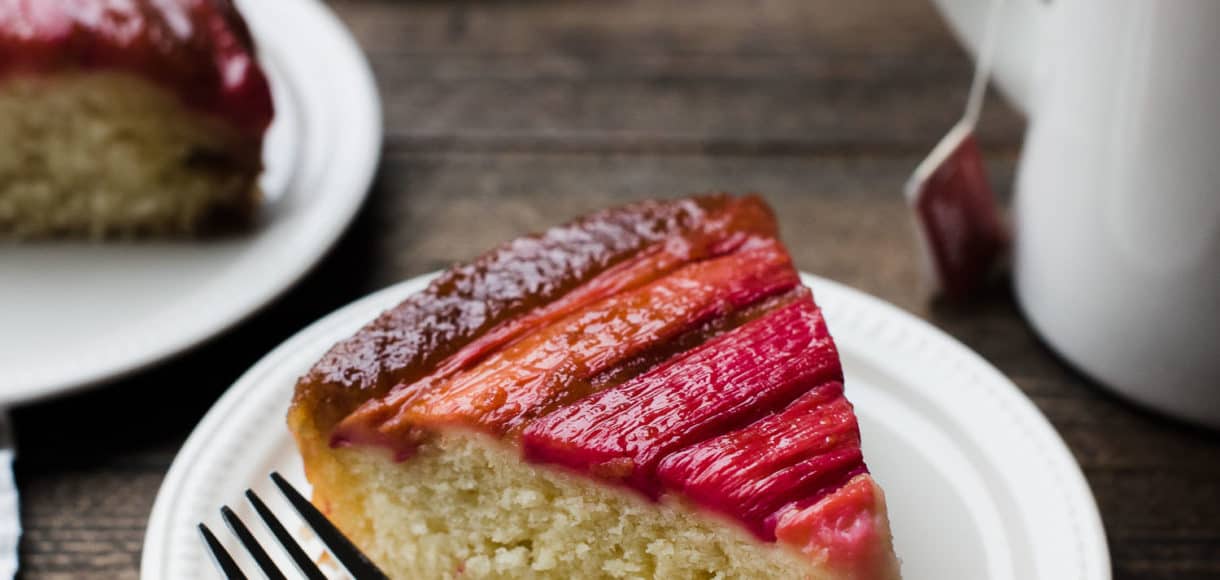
553,366
409,341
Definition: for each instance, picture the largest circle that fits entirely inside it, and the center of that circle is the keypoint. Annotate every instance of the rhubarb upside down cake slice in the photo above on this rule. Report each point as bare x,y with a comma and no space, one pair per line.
645,392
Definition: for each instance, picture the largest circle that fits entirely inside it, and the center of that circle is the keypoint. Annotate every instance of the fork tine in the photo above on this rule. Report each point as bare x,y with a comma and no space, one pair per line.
304,563
343,549
224,562
256,550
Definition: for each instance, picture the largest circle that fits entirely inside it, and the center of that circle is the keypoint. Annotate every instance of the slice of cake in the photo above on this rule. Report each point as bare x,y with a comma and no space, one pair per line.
646,392
141,117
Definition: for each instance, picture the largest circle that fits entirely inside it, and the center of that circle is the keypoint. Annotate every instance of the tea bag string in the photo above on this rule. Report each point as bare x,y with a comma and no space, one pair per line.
982,71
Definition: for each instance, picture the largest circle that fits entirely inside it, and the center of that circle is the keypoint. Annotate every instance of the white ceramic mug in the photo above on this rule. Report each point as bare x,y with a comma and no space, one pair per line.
1117,204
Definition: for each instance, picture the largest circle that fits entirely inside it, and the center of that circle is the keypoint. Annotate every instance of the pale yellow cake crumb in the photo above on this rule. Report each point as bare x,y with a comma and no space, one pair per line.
103,154
467,507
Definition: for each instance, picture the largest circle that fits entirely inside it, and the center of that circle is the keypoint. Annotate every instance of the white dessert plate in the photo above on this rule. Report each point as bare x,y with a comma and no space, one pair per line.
74,314
979,485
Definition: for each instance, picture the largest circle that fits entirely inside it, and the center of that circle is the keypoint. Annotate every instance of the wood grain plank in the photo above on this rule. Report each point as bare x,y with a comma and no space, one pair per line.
659,76
589,26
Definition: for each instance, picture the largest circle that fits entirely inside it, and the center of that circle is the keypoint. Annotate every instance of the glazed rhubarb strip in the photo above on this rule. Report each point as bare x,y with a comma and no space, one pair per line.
661,353
801,453
650,264
840,529
621,434
552,366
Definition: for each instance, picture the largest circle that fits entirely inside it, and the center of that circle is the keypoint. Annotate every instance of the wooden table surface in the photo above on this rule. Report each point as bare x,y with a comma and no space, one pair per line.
506,116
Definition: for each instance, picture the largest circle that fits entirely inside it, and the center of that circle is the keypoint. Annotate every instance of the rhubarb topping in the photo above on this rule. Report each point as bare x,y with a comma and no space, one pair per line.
552,366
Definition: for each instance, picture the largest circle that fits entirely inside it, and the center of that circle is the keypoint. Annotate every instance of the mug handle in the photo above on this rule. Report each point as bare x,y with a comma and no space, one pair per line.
1017,52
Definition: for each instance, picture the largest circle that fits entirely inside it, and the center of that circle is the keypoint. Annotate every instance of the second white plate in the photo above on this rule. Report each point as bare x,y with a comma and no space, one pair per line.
979,485
74,314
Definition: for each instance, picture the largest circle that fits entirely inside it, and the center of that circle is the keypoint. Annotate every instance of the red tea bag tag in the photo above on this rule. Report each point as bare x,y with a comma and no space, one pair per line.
959,223
958,219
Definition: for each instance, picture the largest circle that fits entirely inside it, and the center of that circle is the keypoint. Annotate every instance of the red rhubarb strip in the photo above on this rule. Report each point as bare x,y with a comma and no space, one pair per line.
661,353
622,433
551,367
650,264
843,530
802,453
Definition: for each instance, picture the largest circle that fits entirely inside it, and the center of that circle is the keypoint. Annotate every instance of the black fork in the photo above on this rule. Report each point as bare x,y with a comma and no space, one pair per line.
356,563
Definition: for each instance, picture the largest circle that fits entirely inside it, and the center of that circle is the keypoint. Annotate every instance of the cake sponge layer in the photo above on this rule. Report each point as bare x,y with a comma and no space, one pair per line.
466,506
109,154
